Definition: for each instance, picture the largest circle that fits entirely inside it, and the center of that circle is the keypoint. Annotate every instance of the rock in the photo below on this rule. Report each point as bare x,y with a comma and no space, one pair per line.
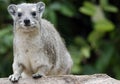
67,79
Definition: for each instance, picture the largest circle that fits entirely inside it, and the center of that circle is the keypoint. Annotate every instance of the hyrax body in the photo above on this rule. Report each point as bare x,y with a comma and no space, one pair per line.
38,48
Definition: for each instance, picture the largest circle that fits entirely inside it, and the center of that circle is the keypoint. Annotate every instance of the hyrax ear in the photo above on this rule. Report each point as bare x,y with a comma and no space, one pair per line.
12,10
40,8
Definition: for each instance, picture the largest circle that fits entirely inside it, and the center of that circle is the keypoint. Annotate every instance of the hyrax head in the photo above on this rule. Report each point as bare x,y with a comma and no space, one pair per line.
26,16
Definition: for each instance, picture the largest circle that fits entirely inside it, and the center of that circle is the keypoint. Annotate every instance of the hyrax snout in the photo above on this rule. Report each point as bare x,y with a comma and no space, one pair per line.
27,22
38,48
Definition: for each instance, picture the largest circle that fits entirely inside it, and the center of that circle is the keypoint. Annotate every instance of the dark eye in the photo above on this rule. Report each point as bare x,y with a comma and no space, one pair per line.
19,14
33,13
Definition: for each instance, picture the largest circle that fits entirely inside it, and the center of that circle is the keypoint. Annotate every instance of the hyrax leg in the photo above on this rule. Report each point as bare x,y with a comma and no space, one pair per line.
17,70
41,71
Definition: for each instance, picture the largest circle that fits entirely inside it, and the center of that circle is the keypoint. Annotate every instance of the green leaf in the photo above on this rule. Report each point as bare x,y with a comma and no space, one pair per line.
5,31
76,69
111,8
8,40
104,26
3,49
53,17
103,2
106,55
75,53
94,38
107,7
55,6
116,69
85,51
65,10
80,41
88,9
89,69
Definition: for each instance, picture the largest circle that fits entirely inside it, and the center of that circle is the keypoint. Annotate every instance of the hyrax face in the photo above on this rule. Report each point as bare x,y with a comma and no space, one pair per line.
27,16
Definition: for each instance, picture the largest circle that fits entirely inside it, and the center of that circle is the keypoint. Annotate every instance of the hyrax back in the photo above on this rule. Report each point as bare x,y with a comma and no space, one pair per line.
38,48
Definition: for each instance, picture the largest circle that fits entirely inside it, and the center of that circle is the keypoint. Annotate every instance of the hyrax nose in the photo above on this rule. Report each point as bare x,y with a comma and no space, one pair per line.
27,22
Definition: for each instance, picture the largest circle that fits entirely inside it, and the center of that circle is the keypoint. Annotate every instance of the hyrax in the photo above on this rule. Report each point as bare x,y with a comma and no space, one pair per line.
38,47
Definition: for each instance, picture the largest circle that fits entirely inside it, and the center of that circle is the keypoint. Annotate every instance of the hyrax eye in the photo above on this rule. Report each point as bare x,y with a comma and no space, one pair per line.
33,13
19,14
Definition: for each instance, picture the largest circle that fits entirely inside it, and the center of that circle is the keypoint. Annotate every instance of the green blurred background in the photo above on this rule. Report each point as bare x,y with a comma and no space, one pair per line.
90,29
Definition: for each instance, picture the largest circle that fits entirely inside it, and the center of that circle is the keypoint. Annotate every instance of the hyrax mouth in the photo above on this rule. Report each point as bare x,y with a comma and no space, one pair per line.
28,29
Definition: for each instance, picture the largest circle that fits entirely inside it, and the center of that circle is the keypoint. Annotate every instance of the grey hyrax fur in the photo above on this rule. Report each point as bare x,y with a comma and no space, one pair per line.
38,47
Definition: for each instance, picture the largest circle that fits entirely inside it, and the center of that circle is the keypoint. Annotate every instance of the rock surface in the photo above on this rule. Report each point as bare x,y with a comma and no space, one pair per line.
68,79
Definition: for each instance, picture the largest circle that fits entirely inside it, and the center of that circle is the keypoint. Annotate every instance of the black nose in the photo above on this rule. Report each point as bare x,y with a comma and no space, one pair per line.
27,22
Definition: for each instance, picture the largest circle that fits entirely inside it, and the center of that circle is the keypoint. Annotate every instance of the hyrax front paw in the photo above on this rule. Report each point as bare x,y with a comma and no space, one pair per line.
37,75
14,78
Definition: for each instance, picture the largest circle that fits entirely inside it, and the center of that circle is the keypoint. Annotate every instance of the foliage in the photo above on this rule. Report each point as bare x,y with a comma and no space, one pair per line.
5,50
89,27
